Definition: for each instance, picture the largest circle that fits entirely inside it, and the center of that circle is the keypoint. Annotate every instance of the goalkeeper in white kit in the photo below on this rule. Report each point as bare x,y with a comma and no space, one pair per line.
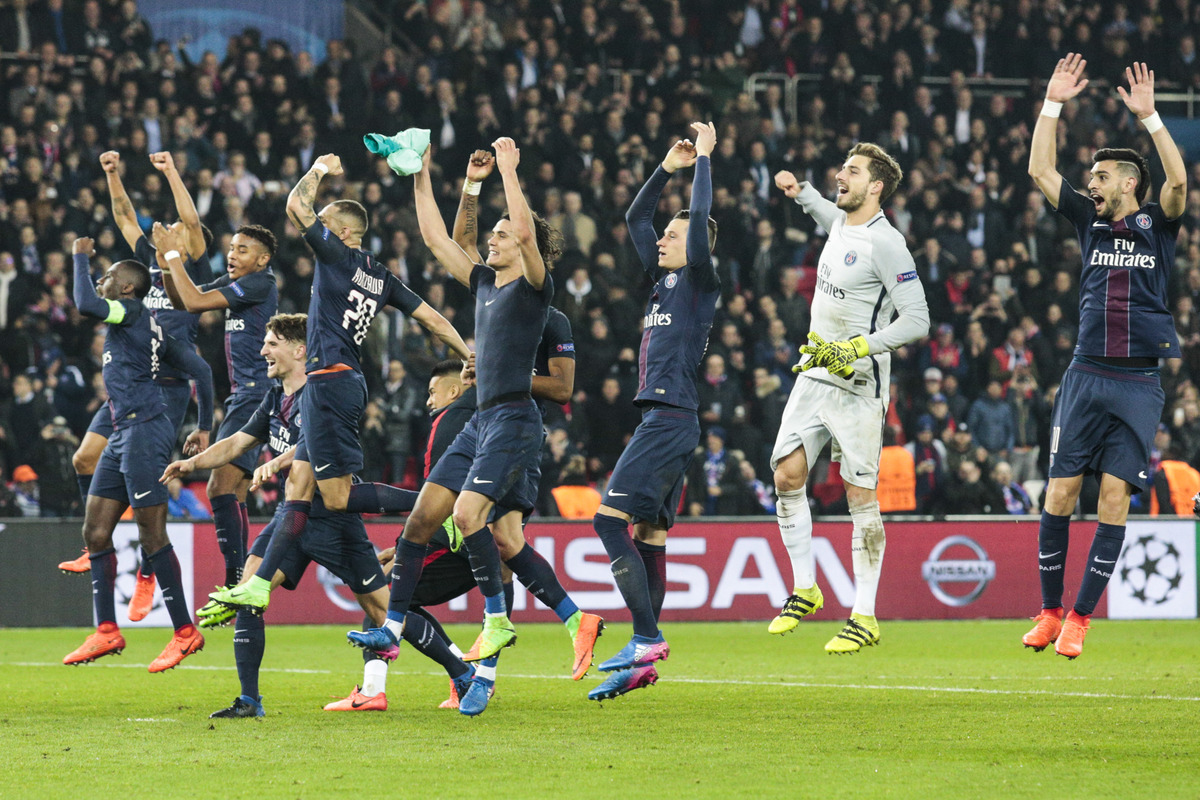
868,302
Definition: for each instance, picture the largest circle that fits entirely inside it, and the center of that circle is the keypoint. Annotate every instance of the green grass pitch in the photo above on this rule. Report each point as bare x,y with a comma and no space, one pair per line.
938,709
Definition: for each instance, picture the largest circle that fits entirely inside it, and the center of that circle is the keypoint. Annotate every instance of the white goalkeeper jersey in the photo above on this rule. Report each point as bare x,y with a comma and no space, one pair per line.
867,285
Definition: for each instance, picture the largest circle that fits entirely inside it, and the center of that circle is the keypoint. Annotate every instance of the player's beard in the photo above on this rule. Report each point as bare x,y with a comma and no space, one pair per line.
1108,208
852,201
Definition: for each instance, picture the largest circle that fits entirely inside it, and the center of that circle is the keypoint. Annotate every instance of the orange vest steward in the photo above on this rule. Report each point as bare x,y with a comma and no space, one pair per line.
897,489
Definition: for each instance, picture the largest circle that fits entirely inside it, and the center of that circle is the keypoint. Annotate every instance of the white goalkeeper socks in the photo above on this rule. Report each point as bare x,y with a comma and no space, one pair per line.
866,552
795,528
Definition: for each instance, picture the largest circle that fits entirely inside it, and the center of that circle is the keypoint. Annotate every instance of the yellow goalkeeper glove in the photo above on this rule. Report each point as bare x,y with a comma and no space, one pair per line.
837,357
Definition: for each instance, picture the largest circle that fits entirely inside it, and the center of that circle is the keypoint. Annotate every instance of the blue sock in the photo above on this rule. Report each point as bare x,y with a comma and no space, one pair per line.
485,567
85,483
654,559
227,517
144,565
1102,560
249,641
406,573
104,581
170,581
628,571
290,521
423,636
1052,557
533,570
379,498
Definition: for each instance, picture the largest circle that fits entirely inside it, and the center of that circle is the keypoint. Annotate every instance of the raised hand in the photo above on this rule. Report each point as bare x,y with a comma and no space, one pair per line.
681,155
331,161
1067,80
1140,97
788,183
480,166
163,162
110,160
84,246
507,154
706,138
165,239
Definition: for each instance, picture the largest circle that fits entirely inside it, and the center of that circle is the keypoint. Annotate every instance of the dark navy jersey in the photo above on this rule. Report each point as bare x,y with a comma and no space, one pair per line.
557,342
1127,266
509,322
253,299
448,424
183,325
276,421
349,288
132,355
680,311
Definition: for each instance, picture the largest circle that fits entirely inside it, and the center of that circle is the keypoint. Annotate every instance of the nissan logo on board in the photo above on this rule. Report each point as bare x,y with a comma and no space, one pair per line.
937,571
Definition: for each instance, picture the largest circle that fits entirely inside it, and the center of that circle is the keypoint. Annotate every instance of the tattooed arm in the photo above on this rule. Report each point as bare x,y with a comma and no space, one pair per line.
122,208
466,221
300,201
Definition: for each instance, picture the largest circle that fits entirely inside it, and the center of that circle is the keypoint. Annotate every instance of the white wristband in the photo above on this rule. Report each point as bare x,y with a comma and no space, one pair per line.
1051,109
471,187
321,168
1153,123
167,256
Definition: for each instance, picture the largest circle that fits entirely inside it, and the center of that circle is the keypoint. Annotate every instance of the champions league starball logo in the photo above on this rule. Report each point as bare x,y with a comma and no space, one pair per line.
1152,569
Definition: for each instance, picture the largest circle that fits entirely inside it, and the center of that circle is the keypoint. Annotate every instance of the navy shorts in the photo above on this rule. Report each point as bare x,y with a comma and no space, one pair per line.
446,576
239,408
494,454
177,395
330,408
338,542
648,479
133,461
523,496
1104,422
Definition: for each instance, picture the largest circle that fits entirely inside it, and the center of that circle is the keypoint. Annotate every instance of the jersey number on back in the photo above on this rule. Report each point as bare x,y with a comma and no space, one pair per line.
361,315
156,341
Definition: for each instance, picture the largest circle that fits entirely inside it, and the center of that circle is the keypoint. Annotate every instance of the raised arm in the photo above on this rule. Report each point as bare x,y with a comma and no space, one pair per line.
466,231
698,252
164,163
1066,82
808,198
86,299
1140,100
640,216
122,207
433,227
507,159
179,355
300,202
181,289
440,327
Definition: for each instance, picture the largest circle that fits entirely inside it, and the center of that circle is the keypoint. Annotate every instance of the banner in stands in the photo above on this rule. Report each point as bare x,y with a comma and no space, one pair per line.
208,25
740,571
1155,577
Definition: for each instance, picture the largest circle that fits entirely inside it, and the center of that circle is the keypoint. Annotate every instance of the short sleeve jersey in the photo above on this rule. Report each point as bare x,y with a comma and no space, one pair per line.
349,288
253,299
183,325
1127,266
132,351
557,342
509,321
276,421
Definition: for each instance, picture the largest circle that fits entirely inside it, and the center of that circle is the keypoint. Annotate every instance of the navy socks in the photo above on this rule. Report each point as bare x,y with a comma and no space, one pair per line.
406,572
227,516
485,566
170,581
104,580
1102,560
292,521
1052,557
654,558
379,498
628,571
533,570
249,641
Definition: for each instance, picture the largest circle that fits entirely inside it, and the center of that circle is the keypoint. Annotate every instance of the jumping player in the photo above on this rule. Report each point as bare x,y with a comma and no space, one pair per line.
1110,399
180,324
866,276
349,287
647,481
248,295
553,381
143,435
512,299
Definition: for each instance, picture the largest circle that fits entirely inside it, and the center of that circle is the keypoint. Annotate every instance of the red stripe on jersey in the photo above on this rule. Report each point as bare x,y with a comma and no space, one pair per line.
1116,313
429,445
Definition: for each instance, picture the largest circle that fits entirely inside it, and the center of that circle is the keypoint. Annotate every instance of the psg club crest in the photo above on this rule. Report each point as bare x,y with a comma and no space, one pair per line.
1143,221
672,279
851,257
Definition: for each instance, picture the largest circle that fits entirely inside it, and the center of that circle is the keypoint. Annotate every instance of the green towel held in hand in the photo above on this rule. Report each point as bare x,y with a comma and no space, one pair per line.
403,151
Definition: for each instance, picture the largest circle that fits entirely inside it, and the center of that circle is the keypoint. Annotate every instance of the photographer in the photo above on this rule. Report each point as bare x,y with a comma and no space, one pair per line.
51,458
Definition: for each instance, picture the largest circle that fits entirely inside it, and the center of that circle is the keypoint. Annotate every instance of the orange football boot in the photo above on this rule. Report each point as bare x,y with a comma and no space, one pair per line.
186,641
143,597
1046,629
1070,641
106,641
359,702
590,628
79,565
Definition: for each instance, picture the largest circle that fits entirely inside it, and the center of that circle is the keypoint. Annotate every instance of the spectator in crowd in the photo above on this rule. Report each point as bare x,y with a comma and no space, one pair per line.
403,411
26,490
57,488
716,485
1016,499
182,503
991,421
929,465
897,476
759,497
970,492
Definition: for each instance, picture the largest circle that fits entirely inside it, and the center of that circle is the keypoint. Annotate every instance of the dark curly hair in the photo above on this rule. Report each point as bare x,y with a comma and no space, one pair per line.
549,239
261,235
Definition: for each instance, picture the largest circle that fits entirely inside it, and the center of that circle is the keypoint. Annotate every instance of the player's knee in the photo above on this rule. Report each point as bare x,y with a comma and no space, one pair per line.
466,521
83,463
789,479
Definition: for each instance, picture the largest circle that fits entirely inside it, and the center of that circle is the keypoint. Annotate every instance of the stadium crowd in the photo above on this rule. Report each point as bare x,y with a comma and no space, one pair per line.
594,93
